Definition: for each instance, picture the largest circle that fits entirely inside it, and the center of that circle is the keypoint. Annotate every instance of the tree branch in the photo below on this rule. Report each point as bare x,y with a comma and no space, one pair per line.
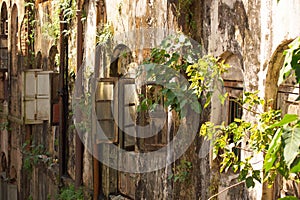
215,195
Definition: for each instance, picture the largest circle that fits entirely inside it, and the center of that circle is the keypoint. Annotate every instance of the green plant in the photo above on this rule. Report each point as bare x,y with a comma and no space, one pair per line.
278,138
291,62
181,171
104,33
30,21
4,126
178,53
34,154
70,193
51,28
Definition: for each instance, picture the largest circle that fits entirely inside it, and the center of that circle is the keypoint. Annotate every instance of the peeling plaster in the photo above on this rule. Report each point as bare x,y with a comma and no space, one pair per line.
141,7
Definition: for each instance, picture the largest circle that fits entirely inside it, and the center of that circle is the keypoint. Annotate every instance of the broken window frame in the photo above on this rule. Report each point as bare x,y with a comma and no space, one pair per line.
160,139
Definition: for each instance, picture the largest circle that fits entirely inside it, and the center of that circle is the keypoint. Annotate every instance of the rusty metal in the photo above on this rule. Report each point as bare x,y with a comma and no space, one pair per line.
78,144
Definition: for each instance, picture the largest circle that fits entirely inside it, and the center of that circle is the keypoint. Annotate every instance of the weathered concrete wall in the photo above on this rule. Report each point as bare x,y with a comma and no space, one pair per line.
250,30
253,30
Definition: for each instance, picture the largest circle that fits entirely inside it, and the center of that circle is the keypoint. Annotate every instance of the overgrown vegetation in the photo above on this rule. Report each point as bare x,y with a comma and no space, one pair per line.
70,193
34,154
178,53
277,138
66,8
274,136
182,171
104,33
291,65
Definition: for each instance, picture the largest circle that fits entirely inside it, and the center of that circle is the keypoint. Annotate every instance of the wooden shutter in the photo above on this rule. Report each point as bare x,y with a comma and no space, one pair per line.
36,96
29,97
127,112
12,192
106,109
127,121
43,96
3,84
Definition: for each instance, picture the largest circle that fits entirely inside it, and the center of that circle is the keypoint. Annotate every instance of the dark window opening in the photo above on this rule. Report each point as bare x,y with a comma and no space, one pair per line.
235,110
155,118
234,107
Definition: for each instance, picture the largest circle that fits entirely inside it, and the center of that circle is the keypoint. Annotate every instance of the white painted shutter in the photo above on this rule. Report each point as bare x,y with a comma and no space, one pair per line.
36,96
12,192
29,96
43,96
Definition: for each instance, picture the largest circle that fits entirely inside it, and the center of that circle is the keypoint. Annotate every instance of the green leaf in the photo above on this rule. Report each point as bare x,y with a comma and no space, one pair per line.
196,106
208,99
288,198
295,167
291,139
249,182
256,175
288,118
271,155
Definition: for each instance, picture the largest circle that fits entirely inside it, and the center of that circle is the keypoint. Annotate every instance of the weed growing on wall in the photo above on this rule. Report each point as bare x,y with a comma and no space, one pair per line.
66,8
70,193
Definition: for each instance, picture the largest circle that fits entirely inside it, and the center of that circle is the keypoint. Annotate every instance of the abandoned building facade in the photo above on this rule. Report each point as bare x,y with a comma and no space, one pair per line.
44,44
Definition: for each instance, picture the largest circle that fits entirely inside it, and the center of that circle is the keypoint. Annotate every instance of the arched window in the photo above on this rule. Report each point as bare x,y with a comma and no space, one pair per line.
38,60
233,83
284,96
110,96
3,37
52,64
15,107
3,162
116,113
3,53
14,41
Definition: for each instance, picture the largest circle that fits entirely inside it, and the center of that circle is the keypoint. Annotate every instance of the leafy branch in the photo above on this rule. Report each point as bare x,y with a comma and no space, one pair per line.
178,53
278,138
34,154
